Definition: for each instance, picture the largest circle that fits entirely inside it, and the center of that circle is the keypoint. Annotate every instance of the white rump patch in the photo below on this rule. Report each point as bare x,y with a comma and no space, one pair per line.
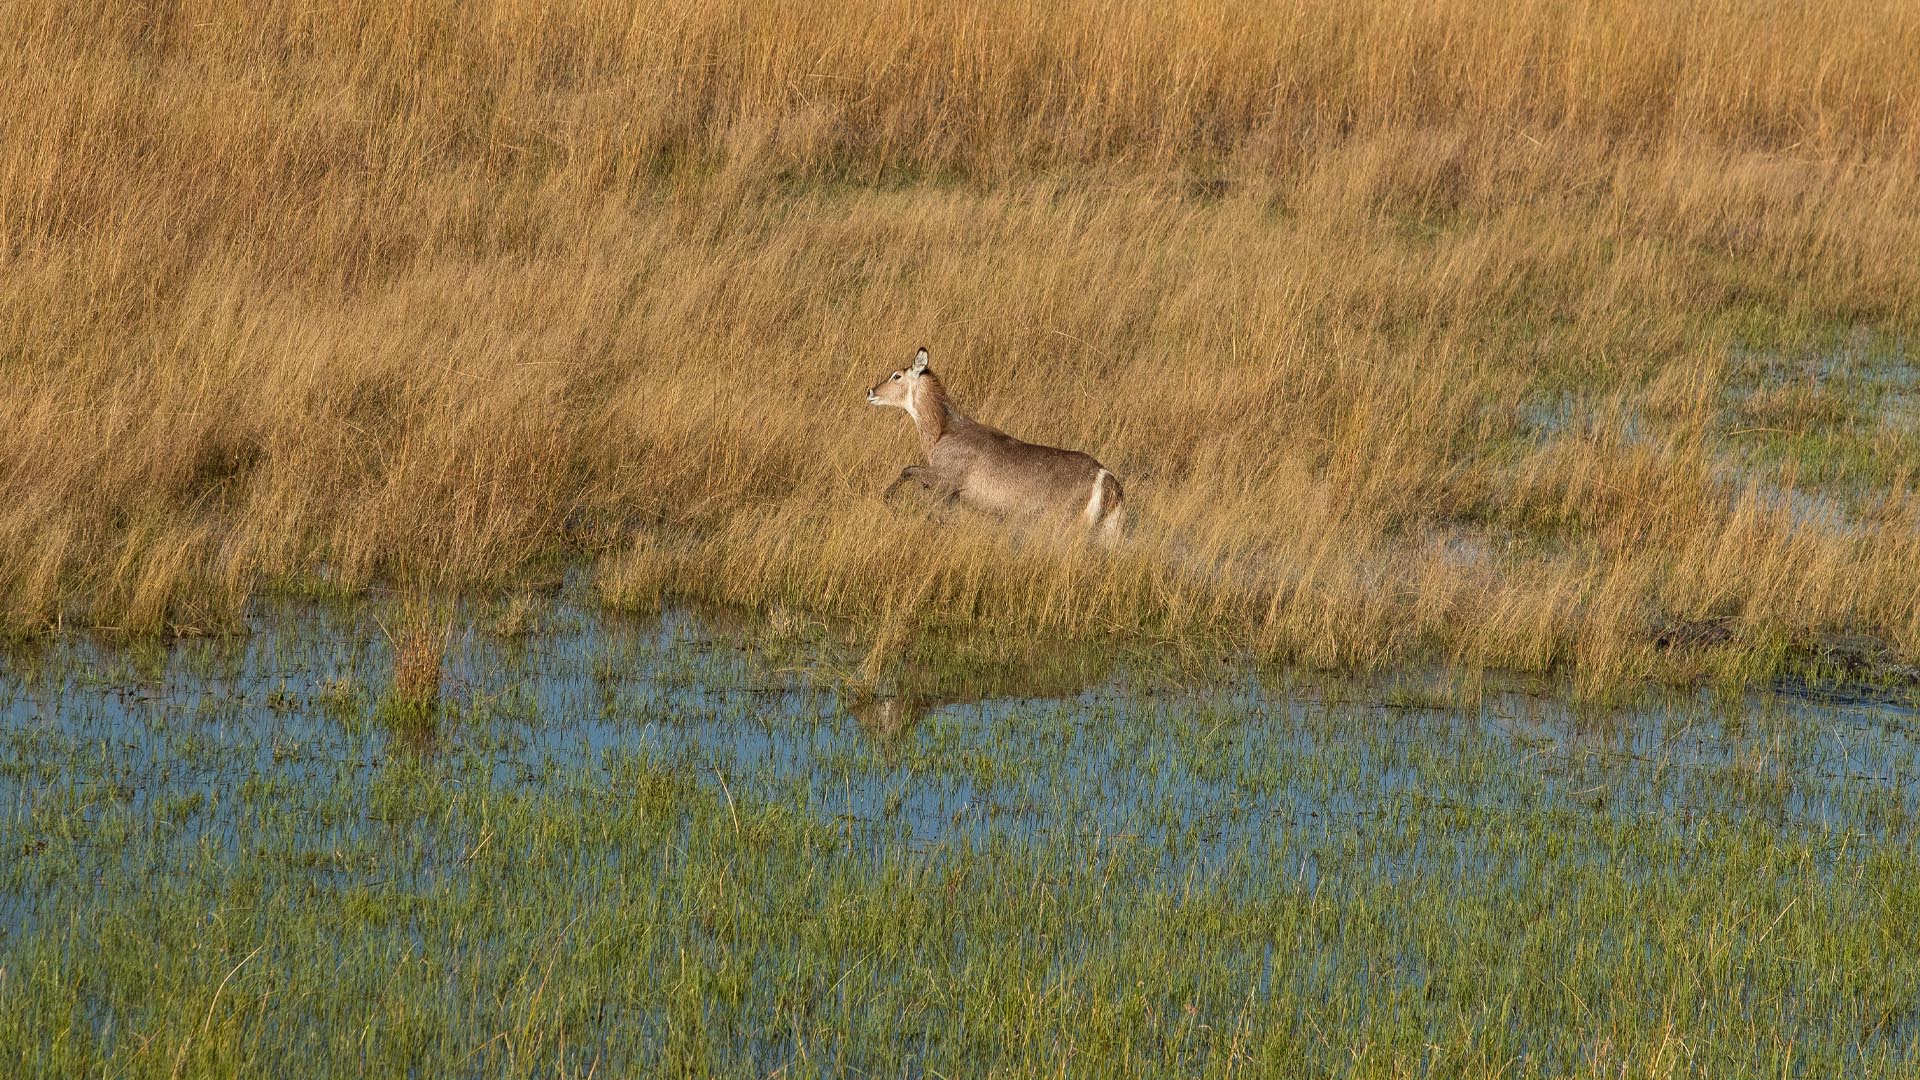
1097,501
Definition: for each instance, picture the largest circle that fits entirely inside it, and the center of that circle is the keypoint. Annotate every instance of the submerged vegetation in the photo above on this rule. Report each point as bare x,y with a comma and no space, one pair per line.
1516,335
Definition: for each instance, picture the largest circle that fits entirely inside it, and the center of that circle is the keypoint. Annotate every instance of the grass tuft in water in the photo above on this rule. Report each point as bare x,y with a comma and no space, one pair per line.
412,702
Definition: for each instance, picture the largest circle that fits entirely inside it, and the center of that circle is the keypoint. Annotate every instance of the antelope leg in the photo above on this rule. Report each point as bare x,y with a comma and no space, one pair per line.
912,474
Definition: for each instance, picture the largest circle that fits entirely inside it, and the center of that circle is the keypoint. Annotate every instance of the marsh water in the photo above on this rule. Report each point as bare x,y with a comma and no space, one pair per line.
171,770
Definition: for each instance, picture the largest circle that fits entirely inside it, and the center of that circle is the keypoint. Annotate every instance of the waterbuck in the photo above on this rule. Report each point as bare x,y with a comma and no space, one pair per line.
990,470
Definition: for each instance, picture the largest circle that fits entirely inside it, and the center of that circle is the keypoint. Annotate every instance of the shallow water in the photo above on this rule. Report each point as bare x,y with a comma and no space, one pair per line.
1242,782
1215,772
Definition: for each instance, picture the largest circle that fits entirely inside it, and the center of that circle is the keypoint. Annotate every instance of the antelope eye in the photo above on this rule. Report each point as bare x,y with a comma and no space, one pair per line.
896,376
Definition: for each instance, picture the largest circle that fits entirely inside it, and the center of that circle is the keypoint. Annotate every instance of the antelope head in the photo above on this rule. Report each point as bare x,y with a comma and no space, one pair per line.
897,389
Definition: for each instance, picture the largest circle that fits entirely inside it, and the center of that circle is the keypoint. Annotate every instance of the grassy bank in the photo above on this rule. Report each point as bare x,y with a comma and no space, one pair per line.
1524,338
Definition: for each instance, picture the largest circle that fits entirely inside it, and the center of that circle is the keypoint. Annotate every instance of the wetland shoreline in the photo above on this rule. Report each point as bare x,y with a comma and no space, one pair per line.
664,844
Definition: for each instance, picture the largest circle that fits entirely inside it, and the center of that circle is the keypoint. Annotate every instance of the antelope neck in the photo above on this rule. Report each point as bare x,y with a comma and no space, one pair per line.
933,414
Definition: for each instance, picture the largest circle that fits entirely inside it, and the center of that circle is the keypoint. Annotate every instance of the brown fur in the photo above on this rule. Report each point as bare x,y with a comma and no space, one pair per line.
988,469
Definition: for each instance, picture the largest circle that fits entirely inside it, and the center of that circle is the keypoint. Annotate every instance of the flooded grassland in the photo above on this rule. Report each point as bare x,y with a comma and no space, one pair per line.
673,846
1429,340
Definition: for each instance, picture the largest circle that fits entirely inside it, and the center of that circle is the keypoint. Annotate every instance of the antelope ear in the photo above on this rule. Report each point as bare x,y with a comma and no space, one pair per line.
920,361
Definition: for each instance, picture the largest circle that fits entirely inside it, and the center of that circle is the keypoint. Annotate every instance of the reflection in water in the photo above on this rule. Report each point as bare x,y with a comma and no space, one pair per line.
911,686
886,719
416,736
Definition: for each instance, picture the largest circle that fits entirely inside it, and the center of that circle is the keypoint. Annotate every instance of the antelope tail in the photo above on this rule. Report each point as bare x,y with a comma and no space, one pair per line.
1103,505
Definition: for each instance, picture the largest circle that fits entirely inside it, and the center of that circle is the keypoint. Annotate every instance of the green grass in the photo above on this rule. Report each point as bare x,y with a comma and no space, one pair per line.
1425,878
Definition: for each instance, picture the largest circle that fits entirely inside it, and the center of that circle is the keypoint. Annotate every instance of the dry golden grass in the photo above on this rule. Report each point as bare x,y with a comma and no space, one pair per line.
419,646
1413,328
